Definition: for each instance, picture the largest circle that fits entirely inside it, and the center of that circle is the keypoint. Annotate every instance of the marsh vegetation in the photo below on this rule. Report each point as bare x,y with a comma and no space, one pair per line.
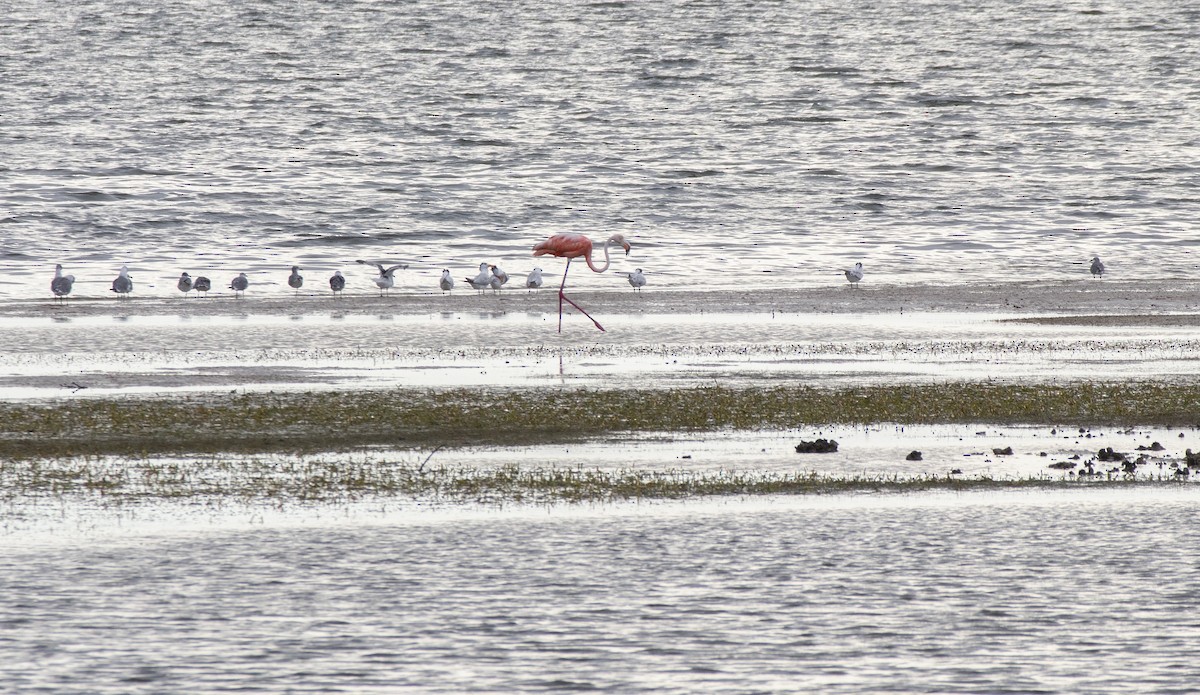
322,421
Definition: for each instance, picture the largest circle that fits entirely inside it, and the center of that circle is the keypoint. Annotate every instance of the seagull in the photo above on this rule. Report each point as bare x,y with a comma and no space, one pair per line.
61,284
500,275
1097,267
185,284
202,284
534,280
123,285
854,276
386,279
636,280
483,280
239,284
447,282
296,280
337,282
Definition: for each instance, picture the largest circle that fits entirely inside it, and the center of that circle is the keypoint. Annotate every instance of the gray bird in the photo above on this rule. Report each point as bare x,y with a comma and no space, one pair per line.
239,284
202,284
61,284
296,280
1097,267
123,285
185,283
337,283
447,282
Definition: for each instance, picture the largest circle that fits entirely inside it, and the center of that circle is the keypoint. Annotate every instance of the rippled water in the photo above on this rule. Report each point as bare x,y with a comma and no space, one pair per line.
759,142
973,594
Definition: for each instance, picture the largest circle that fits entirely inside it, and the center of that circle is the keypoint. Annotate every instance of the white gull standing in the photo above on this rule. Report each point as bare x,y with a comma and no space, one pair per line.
534,280
483,280
854,275
447,282
637,280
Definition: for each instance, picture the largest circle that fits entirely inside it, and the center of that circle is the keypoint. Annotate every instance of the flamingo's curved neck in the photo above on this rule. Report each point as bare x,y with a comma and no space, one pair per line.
591,265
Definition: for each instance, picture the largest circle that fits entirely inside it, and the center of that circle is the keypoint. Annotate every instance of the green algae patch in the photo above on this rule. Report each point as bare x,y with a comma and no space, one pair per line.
324,421
116,481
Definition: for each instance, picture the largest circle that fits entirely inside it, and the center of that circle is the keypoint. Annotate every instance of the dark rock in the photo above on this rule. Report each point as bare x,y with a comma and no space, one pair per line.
1109,455
913,456
820,446
1006,451
1129,466
1063,465
1193,460
955,471
1153,447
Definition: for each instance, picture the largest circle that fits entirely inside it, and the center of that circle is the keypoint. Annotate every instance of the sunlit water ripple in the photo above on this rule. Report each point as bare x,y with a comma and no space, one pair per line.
733,143
1010,593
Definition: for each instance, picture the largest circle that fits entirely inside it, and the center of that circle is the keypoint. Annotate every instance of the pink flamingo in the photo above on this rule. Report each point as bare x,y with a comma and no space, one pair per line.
570,247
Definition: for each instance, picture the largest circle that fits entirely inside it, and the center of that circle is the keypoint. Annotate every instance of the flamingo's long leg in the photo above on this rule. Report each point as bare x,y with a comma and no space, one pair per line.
561,296
564,298
594,321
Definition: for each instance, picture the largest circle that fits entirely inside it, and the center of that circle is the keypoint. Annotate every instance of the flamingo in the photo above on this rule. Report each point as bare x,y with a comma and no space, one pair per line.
447,282
239,284
61,284
483,280
123,285
636,280
534,280
570,247
855,275
1097,267
296,280
337,282
202,284
185,283
386,279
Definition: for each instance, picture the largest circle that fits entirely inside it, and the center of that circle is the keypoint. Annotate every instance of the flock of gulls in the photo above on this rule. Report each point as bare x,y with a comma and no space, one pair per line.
490,276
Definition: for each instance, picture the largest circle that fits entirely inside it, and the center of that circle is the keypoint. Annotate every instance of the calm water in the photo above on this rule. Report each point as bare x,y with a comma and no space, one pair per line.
759,142
968,594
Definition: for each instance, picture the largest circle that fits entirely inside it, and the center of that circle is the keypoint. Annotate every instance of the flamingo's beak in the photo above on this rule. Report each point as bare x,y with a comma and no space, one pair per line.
626,245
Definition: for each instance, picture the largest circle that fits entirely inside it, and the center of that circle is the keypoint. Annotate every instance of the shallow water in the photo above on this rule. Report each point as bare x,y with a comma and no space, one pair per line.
1039,592
96,355
769,144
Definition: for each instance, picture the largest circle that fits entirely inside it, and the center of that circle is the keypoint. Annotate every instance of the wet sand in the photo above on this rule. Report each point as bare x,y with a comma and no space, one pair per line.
831,336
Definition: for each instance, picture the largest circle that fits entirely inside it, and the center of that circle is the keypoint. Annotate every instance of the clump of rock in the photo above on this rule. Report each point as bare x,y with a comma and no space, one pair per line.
820,446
